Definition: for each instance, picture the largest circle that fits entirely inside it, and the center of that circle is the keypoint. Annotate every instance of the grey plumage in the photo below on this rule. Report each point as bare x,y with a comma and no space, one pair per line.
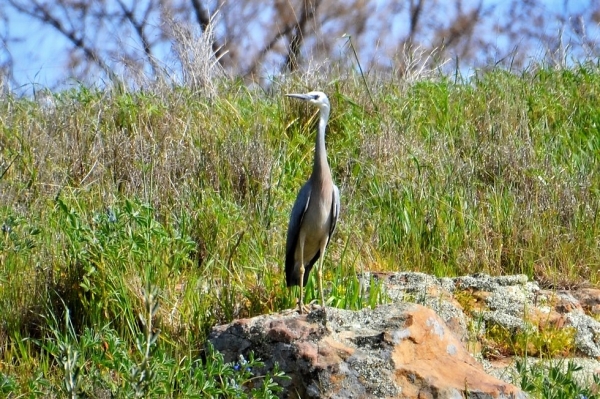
315,212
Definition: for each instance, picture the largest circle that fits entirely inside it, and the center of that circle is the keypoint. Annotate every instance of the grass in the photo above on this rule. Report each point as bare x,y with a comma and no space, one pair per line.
557,380
110,196
548,341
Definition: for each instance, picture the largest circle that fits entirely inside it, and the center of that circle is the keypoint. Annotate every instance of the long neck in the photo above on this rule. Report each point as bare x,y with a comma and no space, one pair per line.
320,166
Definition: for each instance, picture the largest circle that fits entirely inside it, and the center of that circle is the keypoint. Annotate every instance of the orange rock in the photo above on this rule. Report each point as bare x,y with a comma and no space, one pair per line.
395,351
431,362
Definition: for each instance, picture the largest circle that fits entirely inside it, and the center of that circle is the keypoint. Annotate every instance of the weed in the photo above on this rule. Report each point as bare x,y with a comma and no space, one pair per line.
556,380
142,374
100,362
69,351
542,341
7,384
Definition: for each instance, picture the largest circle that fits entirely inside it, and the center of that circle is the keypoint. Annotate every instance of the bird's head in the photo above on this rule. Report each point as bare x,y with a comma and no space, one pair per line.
317,98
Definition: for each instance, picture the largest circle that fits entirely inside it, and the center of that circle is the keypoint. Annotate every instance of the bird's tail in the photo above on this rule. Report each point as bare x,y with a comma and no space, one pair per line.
292,273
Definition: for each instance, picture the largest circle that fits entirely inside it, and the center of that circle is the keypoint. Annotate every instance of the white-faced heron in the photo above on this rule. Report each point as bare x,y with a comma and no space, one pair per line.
315,212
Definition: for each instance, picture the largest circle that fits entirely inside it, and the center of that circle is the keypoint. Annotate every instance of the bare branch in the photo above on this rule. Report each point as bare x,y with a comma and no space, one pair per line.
41,13
415,14
308,11
139,29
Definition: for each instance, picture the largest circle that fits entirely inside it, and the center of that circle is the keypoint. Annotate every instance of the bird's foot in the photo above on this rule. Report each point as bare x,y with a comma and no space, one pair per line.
311,306
303,309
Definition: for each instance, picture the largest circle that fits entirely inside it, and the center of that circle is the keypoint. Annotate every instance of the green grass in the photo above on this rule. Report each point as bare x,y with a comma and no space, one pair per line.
556,380
106,194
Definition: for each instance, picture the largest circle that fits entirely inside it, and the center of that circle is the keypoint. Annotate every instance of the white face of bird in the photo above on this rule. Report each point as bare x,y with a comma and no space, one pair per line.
317,98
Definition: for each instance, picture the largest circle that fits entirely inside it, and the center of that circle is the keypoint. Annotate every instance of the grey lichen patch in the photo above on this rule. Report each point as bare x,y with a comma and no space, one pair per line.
410,286
587,336
505,320
517,279
481,282
448,312
447,283
375,374
509,304
451,349
485,282
510,300
436,327
400,335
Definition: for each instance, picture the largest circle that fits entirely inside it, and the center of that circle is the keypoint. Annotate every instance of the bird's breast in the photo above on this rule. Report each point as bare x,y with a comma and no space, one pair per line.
318,215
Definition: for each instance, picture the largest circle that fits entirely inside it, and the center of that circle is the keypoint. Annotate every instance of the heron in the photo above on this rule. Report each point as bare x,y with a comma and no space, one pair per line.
315,211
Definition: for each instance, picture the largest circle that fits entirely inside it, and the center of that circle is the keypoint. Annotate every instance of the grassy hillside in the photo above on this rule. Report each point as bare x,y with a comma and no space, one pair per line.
108,197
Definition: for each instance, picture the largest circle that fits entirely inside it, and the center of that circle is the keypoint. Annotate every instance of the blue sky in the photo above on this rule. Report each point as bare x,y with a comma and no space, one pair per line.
39,58
36,57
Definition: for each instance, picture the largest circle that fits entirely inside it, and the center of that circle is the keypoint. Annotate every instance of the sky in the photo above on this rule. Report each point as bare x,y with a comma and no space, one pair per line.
35,57
39,60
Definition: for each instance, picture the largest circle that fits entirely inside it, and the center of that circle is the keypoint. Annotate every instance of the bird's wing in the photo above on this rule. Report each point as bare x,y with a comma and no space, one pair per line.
335,212
335,209
296,217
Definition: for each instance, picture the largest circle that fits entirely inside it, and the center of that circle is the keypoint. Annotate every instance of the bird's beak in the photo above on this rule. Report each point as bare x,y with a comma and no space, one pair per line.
304,97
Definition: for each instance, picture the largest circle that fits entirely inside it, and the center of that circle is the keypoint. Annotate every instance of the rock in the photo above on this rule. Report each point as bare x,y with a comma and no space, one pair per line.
401,350
415,346
428,291
512,302
589,298
587,338
562,301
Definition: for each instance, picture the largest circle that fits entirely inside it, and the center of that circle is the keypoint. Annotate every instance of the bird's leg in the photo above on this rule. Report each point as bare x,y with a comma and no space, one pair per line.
301,301
320,277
